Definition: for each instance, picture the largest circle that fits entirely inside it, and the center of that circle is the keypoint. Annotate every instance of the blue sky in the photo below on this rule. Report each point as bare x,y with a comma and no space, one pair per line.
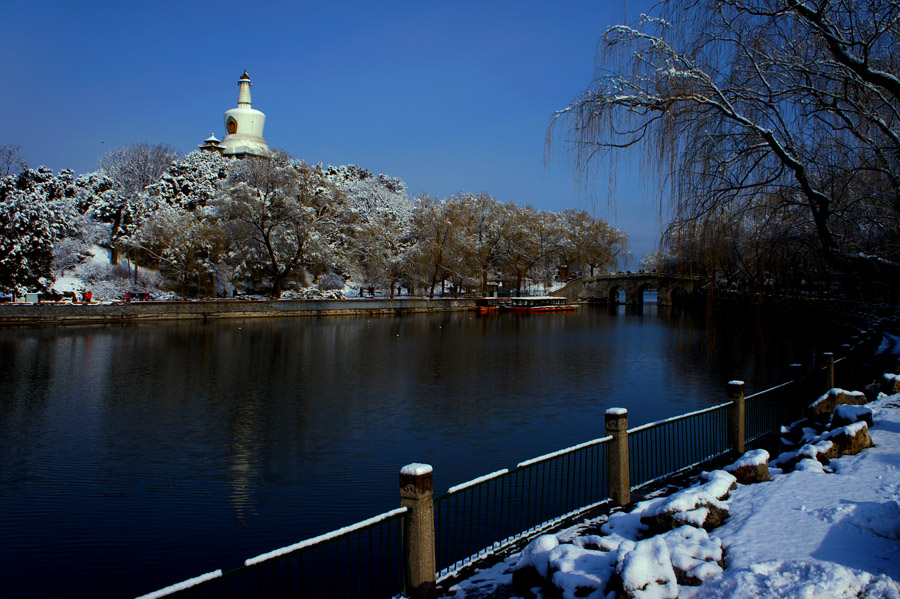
448,97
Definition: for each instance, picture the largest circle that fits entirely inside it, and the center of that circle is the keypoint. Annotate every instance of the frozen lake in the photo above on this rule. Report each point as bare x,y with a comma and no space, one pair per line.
135,457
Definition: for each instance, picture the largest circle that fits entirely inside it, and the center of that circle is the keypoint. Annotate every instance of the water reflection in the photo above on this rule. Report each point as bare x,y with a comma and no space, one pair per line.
134,457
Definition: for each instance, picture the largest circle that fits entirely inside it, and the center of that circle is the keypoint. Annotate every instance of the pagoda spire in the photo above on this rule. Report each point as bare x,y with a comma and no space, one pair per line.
244,92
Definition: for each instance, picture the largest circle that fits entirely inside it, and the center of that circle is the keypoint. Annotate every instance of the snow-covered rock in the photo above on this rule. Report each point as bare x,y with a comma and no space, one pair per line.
645,570
826,403
701,505
848,414
821,450
532,567
809,465
850,439
579,572
752,467
695,556
890,383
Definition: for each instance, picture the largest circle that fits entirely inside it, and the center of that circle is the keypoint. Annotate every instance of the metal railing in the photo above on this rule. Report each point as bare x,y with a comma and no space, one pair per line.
767,410
359,561
491,512
660,449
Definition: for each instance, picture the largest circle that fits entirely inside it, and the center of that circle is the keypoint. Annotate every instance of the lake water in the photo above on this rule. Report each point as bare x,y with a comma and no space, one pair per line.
132,458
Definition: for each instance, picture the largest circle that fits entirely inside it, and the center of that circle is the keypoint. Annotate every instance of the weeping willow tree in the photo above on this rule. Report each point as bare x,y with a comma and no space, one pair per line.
775,125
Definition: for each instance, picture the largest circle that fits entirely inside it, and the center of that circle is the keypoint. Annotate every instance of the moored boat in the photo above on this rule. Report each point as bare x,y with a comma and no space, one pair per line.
486,305
546,303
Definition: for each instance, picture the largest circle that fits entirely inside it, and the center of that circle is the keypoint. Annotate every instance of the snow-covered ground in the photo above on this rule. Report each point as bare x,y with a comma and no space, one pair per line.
814,533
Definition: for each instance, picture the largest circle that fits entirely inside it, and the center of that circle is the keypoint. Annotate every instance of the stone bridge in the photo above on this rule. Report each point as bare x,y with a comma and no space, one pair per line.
605,288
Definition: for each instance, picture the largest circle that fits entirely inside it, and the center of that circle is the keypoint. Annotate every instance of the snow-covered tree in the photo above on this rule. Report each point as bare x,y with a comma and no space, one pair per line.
282,216
186,247
131,168
192,181
36,208
759,106
368,194
381,249
375,225
173,210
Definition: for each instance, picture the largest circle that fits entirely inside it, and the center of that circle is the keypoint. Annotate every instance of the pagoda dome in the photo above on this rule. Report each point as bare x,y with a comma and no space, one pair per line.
244,125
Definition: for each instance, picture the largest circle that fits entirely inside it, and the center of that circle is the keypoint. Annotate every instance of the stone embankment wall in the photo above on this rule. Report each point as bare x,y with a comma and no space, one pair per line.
52,314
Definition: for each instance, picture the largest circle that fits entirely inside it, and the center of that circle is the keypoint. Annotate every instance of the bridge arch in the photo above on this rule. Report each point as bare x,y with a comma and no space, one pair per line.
612,295
677,294
639,289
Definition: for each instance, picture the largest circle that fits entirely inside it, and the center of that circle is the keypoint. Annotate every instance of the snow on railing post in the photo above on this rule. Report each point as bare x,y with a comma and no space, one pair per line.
829,366
416,489
619,473
737,417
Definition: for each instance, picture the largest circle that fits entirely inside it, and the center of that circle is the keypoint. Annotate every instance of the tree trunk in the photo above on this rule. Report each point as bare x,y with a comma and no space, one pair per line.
114,252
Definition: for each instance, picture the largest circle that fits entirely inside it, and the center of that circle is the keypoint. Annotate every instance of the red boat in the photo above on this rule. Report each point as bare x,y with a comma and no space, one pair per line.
486,305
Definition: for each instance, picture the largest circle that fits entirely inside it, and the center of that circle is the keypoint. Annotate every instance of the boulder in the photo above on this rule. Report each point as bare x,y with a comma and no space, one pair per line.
578,572
821,450
824,406
694,555
644,569
532,568
699,506
844,415
752,467
809,465
851,439
890,383
797,434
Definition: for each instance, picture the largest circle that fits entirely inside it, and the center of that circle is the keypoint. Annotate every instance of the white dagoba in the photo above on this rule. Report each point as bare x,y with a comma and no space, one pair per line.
244,126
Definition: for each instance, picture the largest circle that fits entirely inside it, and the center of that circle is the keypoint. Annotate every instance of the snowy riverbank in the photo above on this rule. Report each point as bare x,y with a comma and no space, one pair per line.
816,532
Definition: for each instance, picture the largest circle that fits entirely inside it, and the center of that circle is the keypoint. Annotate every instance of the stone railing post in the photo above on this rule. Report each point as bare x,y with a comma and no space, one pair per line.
619,473
416,489
737,418
829,365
